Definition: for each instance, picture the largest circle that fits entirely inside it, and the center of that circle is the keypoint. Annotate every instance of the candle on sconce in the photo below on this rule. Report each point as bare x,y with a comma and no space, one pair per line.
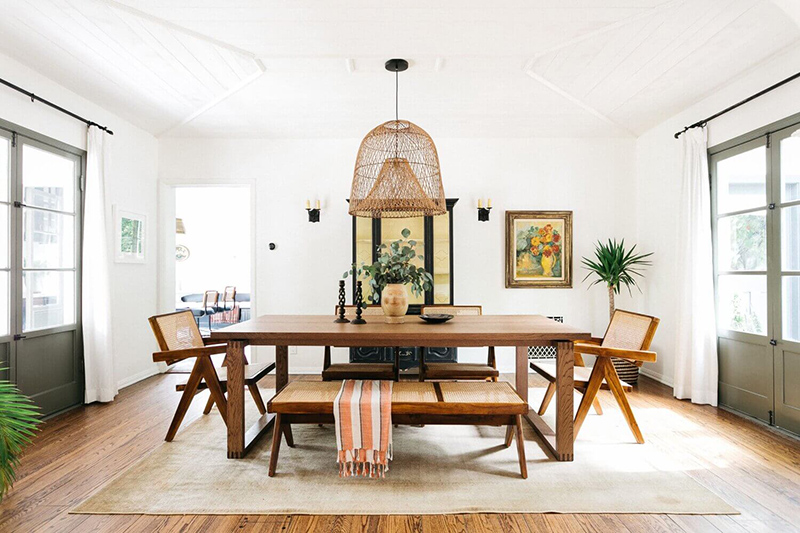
317,205
480,203
489,203
308,204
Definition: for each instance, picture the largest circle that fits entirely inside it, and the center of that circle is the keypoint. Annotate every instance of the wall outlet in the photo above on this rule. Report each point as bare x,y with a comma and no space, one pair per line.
292,350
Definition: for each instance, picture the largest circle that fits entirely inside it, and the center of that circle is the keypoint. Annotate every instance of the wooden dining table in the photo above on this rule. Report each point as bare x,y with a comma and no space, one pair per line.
519,331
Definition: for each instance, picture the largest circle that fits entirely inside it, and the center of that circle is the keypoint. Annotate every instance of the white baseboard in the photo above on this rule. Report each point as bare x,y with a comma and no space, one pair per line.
144,374
656,376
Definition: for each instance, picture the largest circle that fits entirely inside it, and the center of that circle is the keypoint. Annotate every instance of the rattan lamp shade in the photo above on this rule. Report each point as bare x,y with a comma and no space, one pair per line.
397,174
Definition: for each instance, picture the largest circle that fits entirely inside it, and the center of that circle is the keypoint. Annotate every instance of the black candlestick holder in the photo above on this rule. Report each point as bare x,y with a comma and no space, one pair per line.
359,305
483,214
341,319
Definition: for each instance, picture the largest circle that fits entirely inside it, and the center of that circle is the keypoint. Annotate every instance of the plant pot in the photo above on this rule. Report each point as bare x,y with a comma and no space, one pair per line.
394,302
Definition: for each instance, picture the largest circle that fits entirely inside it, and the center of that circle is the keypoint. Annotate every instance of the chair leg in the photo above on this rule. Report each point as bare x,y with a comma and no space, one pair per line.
616,389
397,363
493,362
595,381
326,361
209,405
186,399
509,435
548,395
256,394
523,465
214,386
276,445
287,431
597,407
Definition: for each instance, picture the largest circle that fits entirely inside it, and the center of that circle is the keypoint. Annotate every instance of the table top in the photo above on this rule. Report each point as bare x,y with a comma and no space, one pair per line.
461,331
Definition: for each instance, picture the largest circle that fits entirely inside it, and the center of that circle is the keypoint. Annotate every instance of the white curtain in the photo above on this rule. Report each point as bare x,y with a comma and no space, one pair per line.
101,386
696,367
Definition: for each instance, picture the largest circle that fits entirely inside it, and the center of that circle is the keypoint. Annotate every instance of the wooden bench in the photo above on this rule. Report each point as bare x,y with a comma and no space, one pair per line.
413,403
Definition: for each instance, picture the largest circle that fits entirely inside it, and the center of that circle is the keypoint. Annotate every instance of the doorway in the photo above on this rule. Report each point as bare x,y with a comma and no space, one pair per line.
40,228
756,197
213,254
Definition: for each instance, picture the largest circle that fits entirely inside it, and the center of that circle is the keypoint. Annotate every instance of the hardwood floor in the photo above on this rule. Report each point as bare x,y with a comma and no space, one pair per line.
755,469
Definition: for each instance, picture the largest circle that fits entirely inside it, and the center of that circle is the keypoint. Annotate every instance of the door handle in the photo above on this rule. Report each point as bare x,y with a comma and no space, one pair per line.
19,337
773,342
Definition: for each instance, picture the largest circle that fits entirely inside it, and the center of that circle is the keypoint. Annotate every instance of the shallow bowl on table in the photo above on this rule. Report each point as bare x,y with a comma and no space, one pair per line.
436,318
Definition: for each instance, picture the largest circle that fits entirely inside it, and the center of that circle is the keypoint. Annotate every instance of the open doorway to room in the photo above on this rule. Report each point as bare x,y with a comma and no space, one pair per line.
213,254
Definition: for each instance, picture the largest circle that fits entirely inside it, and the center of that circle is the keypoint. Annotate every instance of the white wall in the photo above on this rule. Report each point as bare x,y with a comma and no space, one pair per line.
593,178
658,177
132,185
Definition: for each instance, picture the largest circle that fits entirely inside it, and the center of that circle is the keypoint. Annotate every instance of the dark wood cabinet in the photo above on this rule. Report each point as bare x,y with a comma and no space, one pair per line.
435,237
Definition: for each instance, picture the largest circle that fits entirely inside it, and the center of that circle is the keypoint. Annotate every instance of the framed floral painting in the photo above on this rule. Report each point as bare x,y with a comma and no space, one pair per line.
538,249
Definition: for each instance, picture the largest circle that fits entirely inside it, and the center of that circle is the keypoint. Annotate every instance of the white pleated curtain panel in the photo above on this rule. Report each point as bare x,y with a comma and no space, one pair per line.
696,366
101,386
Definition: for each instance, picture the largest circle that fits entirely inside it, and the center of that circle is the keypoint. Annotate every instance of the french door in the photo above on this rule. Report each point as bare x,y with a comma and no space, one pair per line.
756,205
40,225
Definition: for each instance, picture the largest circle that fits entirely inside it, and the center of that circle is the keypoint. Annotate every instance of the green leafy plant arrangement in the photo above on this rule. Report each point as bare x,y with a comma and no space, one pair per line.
18,422
615,266
394,266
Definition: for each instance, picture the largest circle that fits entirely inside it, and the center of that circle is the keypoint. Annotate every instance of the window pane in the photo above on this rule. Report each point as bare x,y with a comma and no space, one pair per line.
48,180
4,236
441,259
5,167
741,181
48,299
364,251
48,239
790,168
791,308
742,242
743,303
790,237
391,230
4,304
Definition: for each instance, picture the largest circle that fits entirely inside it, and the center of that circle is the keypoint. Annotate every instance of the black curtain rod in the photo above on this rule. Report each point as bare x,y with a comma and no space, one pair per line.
33,98
734,106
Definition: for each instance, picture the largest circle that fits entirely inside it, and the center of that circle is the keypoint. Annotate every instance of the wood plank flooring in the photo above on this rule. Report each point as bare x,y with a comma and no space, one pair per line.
755,469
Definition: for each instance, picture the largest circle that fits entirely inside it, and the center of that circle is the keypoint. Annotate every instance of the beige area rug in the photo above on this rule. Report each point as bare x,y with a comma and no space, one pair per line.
436,470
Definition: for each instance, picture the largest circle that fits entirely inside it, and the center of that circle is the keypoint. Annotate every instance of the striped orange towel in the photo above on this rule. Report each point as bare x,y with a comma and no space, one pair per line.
363,413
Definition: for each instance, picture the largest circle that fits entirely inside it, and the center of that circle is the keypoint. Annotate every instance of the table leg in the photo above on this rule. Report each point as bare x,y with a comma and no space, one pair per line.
522,372
565,380
234,361
281,367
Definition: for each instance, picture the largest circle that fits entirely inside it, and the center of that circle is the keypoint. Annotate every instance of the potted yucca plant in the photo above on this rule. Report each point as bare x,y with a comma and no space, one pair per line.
18,422
615,267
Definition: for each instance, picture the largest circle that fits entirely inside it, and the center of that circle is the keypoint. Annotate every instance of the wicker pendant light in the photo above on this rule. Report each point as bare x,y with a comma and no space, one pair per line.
397,169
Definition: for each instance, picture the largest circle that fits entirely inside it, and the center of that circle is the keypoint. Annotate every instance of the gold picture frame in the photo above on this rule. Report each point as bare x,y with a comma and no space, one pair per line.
538,249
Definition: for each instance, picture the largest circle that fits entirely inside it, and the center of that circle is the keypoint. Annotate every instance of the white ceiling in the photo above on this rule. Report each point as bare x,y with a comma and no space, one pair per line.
314,68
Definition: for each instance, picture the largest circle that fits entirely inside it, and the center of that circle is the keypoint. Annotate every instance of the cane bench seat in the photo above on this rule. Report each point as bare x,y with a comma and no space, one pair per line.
473,398
435,371
417,403
341,371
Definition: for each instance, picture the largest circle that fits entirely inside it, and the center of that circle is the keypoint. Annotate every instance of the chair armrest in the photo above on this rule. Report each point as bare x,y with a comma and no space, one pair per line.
606,351
172,356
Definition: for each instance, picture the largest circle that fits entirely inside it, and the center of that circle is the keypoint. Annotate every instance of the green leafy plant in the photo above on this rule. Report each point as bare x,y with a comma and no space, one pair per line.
18,422
615,266
394,266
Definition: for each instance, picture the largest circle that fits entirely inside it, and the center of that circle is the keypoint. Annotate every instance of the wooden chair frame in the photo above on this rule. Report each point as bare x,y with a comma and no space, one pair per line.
604,376
202,376
339,371
453,373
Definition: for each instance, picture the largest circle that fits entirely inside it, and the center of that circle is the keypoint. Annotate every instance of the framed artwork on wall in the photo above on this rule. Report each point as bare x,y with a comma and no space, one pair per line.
538,249
129,236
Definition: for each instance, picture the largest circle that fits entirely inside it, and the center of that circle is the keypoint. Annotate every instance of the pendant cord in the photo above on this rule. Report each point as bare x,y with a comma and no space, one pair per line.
396,95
